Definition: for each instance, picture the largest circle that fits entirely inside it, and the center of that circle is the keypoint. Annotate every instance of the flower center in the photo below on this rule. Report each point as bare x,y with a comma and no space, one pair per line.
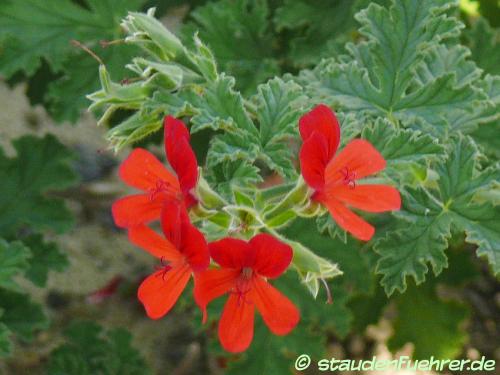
165,267
243,285
348,177
161,186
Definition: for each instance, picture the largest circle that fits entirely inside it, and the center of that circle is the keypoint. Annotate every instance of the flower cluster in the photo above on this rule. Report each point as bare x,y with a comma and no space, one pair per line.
239,267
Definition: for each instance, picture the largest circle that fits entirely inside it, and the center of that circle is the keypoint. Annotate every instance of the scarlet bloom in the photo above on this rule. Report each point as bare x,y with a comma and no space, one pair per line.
245,266
143,171
335,177
182,252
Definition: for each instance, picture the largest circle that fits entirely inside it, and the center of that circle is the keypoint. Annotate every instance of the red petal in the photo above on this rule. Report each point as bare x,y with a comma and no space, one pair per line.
175,129
147,239
359,156
322,120
194,247
313,160
348,220
232,253
180,154
142,170
135,210
371,198
211,284
236,324
160,291
278,312
171,218
272,257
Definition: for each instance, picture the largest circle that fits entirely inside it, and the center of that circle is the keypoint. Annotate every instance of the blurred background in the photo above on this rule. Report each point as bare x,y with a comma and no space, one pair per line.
68,297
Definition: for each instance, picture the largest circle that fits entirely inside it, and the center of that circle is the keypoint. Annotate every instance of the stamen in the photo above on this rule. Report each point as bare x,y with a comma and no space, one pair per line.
329,298
107,43
162,186
165,267
78,44
243,285
349,178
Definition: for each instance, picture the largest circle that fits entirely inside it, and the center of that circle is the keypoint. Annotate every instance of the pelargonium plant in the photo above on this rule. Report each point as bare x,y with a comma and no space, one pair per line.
315,150
371,147
251,251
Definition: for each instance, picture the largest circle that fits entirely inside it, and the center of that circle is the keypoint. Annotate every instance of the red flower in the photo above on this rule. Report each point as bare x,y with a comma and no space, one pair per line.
183,252
334,177
244,269
142,170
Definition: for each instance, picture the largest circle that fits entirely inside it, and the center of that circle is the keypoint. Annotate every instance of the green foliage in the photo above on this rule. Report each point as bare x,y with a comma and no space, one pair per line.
403,83
402,72
421,311
270,354
483,42
33,31
251,130
5,344
406,85
41,165
13,260
255,41
91,350
20,315
239,33
319,28
278,106
45,257
433,212
401,148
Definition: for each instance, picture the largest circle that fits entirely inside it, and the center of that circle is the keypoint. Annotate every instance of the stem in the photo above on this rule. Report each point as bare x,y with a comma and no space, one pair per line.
275,191
296,196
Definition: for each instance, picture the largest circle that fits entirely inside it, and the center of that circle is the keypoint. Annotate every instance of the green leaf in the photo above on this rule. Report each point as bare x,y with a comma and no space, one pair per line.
401,148
46,258
421,311
220,107
486,133
319,28
90,350
5,343
13,261
278,106
47,29
408,249
239,35
482,40
21,316
233,173
327,226
270,354
402,72
41,165
406,252
367,309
